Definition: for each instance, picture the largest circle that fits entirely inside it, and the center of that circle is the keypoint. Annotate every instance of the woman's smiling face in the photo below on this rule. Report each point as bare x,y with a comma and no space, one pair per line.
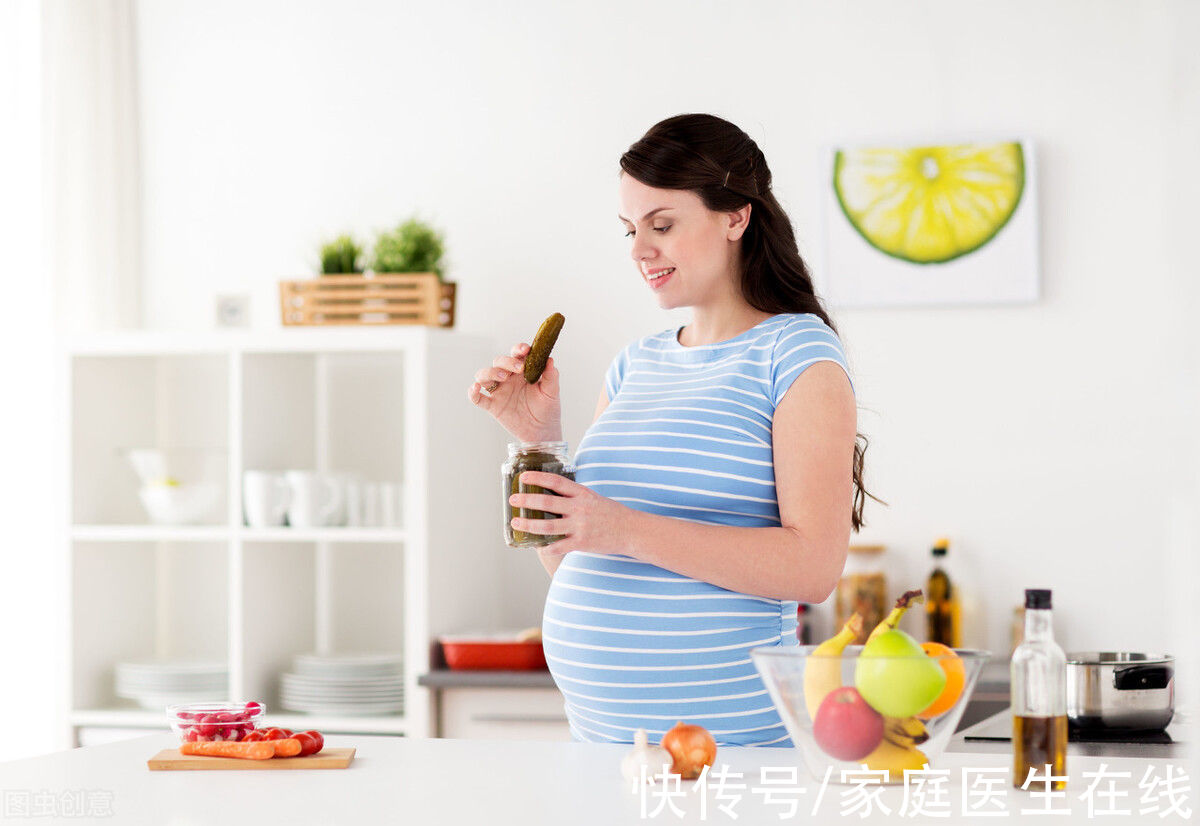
684,251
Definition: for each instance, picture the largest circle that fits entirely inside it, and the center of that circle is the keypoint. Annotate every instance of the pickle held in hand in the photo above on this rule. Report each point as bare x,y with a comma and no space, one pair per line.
539,350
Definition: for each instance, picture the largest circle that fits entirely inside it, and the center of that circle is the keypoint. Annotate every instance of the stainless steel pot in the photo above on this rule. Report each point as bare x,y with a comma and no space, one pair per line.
1119,690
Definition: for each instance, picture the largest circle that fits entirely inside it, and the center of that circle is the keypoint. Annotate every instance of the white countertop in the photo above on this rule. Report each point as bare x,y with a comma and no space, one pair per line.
417,781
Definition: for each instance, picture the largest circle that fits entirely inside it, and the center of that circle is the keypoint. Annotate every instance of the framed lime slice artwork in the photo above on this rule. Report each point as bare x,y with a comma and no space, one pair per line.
929,204
955,220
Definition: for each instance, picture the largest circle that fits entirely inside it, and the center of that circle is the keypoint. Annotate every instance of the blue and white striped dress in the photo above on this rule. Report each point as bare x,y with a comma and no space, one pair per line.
686,434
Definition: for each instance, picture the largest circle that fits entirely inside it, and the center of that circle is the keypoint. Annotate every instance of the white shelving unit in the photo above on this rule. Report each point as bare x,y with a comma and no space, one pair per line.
388,404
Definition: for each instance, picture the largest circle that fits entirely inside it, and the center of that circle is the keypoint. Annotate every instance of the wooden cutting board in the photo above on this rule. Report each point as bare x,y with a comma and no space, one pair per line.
172,760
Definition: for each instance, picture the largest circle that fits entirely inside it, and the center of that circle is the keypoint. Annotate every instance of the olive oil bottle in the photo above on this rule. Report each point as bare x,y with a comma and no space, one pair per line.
943,608
1039,697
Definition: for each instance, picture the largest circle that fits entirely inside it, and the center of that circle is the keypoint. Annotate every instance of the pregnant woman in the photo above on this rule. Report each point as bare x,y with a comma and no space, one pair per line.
722,475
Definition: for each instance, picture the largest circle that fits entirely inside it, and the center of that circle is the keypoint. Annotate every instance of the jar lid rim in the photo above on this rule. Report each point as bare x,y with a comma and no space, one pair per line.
519,447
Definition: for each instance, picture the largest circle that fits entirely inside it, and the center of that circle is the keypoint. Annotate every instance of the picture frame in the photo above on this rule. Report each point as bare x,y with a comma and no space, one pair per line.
928,224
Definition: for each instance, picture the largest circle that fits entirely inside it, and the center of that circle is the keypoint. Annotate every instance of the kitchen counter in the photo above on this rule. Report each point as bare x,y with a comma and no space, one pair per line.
455,678
479,781
993,681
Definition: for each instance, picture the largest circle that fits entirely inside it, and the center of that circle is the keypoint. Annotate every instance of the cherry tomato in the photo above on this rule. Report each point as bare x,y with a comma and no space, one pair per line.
257,734
276,733
311,742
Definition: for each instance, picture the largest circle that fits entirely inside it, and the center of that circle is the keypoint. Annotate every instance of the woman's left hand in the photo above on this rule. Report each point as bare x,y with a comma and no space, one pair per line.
588,522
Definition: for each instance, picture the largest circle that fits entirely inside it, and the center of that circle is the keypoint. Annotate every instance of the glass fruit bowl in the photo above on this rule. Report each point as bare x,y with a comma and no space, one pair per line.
203,722
890,713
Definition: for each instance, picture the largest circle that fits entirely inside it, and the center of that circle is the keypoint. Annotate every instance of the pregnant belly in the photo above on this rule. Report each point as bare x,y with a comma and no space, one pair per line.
634,646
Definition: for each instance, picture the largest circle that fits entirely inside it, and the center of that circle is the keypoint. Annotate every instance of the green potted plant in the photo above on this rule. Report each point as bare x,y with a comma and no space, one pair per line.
404,284
341,256
413,246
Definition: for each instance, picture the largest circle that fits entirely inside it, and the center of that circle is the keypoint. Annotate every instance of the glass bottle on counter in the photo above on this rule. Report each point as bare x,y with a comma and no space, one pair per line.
547,457
1016,629
1038,674
862,588
942,605
804,623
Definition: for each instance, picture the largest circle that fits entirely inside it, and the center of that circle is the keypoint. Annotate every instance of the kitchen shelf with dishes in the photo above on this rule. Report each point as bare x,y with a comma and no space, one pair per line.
206,533
275,517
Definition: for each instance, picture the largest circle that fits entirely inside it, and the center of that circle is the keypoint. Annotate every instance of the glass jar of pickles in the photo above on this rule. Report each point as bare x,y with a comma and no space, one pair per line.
548,457
862,588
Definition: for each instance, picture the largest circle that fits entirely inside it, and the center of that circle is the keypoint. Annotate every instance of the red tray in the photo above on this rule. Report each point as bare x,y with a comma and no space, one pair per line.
484,654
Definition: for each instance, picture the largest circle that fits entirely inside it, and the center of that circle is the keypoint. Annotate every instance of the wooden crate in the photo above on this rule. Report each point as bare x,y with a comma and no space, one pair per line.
383,298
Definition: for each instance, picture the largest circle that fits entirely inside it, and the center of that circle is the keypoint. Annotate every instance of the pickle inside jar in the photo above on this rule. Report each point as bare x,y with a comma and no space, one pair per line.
545,463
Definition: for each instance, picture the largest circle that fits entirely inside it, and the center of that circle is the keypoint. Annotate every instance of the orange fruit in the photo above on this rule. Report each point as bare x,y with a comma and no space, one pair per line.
956,678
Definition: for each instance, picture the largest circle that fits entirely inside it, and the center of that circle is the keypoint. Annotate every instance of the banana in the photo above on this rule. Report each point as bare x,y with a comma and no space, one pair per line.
823,670
888,755
907,733
893,619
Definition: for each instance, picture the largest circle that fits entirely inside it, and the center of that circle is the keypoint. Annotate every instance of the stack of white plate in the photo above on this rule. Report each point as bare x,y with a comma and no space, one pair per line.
158,683
347,683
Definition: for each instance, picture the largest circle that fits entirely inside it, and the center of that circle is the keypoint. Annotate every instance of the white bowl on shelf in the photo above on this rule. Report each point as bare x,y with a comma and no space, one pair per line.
156,466
184,504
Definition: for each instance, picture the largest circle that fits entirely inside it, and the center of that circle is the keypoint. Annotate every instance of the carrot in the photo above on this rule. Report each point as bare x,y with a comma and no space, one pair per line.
260,750
288,747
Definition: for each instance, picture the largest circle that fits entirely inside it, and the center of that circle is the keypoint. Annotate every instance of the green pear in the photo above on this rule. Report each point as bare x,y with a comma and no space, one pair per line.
895,676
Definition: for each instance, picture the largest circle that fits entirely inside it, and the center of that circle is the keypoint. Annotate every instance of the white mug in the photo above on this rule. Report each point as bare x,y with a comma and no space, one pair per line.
389,493
354,502
349,511
372,505
316,499
265,498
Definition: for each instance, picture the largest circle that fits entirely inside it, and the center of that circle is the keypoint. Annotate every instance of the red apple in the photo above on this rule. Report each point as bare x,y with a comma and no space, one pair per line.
846,727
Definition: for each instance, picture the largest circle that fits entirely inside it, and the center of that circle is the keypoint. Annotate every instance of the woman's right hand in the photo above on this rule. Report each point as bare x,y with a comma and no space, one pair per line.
530,412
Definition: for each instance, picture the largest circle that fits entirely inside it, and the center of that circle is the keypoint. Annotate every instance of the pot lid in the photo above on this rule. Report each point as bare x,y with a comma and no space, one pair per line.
1115,658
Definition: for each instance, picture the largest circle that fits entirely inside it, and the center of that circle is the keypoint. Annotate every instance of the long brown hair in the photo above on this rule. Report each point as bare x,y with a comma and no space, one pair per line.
725,167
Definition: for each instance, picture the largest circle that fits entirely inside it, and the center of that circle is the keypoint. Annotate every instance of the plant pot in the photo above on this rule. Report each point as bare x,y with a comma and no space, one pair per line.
368,300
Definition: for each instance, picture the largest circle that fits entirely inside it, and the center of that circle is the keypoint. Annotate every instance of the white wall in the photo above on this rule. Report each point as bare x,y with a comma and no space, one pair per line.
32,566
1046,440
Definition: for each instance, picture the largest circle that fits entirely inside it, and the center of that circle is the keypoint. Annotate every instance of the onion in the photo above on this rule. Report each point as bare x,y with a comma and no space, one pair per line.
691,748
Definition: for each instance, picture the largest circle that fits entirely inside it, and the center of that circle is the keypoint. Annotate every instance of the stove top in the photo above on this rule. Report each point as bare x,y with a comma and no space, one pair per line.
998,728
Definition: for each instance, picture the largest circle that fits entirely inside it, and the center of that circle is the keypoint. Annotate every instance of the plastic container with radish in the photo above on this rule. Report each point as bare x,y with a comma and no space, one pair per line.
214,722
